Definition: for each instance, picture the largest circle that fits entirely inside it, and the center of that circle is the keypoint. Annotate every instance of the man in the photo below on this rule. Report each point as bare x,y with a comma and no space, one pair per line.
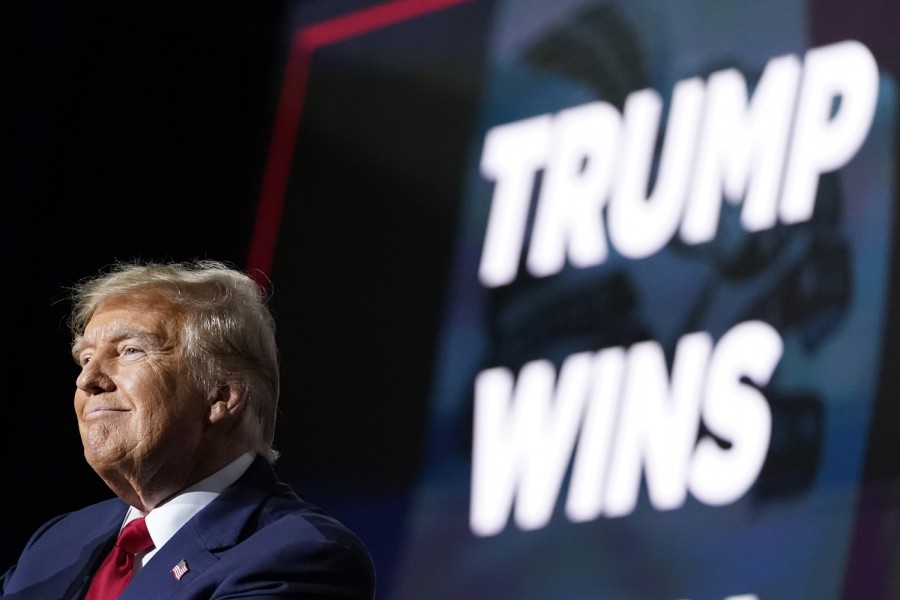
176,405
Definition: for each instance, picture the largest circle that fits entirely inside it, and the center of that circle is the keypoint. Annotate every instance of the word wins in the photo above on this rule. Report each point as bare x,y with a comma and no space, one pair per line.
615,414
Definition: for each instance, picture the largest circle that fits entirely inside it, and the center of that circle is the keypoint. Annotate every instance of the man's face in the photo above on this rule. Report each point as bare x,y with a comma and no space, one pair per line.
138,414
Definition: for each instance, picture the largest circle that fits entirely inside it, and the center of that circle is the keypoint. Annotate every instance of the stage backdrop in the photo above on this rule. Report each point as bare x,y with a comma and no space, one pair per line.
576,299
662,235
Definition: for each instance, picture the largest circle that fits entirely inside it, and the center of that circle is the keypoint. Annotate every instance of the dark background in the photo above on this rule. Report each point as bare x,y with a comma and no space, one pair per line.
130,130
141,130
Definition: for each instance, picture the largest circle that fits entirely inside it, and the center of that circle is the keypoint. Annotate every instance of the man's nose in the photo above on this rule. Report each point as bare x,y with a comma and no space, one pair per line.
94,378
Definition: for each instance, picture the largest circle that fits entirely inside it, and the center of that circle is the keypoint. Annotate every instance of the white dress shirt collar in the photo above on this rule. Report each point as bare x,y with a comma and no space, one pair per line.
165,520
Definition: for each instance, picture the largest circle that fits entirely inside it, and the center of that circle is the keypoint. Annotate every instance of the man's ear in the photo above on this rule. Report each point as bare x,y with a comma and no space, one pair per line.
226,401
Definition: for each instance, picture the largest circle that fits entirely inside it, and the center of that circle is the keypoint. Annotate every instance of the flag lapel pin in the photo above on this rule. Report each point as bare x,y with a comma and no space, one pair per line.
180,569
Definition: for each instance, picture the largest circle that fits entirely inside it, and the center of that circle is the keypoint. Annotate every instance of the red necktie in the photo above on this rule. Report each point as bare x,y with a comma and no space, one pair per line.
116,570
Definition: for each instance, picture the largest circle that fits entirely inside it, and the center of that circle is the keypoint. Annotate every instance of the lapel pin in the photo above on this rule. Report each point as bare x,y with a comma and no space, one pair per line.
180,569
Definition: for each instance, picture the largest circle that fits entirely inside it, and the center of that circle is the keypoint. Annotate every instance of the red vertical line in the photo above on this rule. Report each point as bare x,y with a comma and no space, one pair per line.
290,109
278,165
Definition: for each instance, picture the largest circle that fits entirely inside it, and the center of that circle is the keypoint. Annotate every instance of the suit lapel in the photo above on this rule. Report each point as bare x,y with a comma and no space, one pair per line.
215,529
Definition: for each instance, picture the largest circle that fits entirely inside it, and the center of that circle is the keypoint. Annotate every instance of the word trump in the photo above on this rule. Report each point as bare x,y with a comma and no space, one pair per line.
765,153
628,417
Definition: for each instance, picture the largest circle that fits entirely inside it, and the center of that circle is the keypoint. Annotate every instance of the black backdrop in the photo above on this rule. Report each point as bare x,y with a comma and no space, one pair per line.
131,130
142,130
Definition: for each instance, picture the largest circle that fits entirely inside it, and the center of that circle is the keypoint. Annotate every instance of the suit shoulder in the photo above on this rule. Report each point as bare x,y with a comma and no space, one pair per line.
304,523
87,519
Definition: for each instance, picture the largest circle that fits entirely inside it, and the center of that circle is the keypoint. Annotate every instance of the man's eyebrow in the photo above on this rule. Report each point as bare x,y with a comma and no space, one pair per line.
77,346
116,335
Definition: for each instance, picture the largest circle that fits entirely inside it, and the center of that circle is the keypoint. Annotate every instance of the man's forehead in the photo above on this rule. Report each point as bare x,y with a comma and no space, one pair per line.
126,315
143,300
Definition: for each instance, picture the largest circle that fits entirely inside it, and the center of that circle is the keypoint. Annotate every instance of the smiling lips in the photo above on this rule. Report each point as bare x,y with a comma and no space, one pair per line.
100,411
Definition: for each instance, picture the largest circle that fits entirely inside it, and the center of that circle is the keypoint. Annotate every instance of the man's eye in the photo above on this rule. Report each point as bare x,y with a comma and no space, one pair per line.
84,360
131,351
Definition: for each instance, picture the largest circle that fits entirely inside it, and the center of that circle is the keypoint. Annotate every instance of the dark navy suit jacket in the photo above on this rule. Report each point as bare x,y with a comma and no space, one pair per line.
256,540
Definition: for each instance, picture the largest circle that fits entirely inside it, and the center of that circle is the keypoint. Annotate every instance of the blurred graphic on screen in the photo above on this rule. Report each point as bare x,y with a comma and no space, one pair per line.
661,344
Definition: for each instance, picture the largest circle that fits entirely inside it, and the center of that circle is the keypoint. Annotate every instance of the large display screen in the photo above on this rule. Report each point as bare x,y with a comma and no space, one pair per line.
629,266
